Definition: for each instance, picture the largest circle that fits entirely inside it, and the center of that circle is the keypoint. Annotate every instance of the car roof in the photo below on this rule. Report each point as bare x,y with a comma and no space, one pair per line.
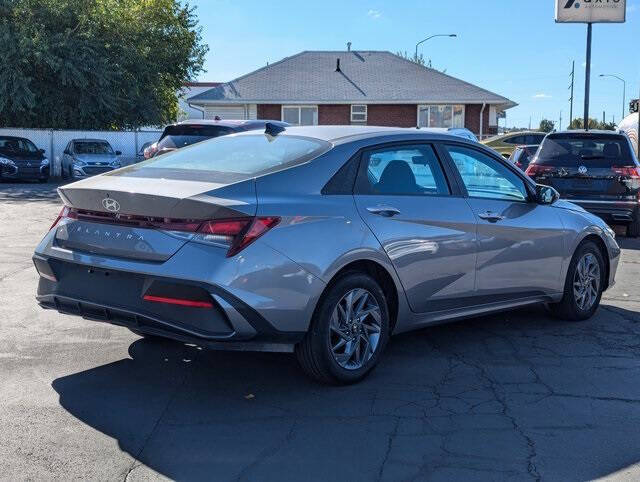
590,131
511,134
87,139
337,134
228,122
14,138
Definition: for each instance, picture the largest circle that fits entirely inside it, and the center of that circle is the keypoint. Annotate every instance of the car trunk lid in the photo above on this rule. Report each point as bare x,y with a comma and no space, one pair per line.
145,219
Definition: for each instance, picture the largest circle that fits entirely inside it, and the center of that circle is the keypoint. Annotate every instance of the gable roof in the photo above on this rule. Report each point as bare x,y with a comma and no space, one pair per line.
364,77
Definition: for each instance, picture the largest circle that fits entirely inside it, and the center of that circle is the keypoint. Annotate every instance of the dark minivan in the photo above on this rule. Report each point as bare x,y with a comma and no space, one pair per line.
186,133
597,170
21,159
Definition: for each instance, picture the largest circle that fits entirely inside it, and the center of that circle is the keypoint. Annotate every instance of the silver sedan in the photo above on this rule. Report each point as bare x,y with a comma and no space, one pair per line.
322,241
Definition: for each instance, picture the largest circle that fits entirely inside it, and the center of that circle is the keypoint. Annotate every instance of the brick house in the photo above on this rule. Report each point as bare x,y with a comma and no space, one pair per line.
354,87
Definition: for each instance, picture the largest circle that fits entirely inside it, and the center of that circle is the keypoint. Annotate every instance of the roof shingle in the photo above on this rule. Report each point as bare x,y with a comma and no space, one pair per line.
364,76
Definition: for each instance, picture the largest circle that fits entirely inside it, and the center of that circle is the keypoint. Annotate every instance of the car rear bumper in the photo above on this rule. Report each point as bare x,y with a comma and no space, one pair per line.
118,297
259,300
611,211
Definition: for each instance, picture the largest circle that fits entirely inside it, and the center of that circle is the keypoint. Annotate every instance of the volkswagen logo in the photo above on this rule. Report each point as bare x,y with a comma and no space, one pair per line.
582,170
111,205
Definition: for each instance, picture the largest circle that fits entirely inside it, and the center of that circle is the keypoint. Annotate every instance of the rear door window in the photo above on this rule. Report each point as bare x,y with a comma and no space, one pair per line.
406,170
590,150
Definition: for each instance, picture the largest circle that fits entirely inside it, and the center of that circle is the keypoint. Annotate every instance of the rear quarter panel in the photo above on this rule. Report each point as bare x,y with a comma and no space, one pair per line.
321,233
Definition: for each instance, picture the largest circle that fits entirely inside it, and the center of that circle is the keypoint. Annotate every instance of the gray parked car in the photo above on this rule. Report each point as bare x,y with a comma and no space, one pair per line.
323,241
87,157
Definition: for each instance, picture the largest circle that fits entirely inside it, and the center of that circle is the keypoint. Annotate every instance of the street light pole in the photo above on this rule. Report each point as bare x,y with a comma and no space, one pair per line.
429,38
587,77
624,90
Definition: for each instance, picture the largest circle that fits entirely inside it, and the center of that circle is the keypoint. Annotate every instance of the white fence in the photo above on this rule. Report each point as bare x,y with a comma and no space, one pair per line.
54,141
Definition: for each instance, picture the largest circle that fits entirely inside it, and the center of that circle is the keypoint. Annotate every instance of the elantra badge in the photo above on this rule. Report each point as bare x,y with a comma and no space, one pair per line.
111,205
582,170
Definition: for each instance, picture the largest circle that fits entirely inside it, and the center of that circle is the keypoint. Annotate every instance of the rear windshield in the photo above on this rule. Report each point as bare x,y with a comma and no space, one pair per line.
175,137
230,158
591,150
92,147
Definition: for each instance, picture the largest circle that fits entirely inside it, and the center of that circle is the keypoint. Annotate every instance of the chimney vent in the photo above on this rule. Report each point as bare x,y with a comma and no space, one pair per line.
338,65
348,46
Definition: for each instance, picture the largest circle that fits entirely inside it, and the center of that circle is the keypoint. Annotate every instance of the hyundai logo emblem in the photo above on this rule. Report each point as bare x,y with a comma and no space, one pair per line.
582,169
111,205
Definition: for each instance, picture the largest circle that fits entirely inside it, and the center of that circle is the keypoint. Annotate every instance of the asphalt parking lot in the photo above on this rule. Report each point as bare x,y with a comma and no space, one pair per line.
512,396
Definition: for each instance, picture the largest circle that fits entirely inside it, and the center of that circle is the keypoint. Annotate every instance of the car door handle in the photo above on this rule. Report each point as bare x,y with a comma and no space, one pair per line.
491,217
386,211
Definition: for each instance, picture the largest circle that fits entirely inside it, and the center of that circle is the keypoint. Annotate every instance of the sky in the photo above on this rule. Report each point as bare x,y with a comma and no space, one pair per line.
511,47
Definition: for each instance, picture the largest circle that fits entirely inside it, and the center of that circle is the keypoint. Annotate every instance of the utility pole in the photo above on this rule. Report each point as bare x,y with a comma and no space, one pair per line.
529,122
604,117
573,78
560,126
587,79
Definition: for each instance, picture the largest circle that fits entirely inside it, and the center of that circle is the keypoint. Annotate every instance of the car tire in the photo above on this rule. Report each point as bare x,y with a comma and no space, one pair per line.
336,352
573,307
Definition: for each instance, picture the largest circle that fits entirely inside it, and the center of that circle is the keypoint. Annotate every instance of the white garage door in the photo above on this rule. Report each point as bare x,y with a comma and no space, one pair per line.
229,112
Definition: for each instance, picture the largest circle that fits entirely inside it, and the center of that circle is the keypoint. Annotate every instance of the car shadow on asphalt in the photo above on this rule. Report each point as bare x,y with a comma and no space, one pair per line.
506,396
29,191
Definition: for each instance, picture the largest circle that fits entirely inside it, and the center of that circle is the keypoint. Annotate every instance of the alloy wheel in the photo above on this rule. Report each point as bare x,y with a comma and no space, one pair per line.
355,328
586,282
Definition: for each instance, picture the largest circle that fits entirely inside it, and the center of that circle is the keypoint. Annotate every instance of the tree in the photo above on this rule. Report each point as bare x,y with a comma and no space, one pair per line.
579,124
546,125
418,60
95,64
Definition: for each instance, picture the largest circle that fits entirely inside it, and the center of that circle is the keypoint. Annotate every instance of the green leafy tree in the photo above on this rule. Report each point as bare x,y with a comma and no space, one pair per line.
95,64
546,125
579,124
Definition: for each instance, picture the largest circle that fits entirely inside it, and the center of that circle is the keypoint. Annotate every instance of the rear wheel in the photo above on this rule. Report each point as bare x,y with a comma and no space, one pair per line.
583,286
348,333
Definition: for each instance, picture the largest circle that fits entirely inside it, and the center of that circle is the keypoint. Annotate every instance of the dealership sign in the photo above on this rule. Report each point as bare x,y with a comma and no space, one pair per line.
591,11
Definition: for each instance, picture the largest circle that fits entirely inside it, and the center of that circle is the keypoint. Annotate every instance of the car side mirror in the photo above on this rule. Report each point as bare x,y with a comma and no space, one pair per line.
118,153
41,151
546,194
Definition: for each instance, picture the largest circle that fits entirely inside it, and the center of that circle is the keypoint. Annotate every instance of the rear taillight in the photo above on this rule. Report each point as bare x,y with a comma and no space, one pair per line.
537,170
237,234
65,212
234,234
518,164
627,171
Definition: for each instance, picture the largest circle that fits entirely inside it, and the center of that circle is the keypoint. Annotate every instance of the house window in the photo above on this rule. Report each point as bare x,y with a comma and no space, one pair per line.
300,115
441,116
358,113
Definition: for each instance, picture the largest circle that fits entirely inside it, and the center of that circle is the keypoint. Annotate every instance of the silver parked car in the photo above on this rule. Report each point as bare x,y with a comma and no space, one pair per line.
323,241
87,157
